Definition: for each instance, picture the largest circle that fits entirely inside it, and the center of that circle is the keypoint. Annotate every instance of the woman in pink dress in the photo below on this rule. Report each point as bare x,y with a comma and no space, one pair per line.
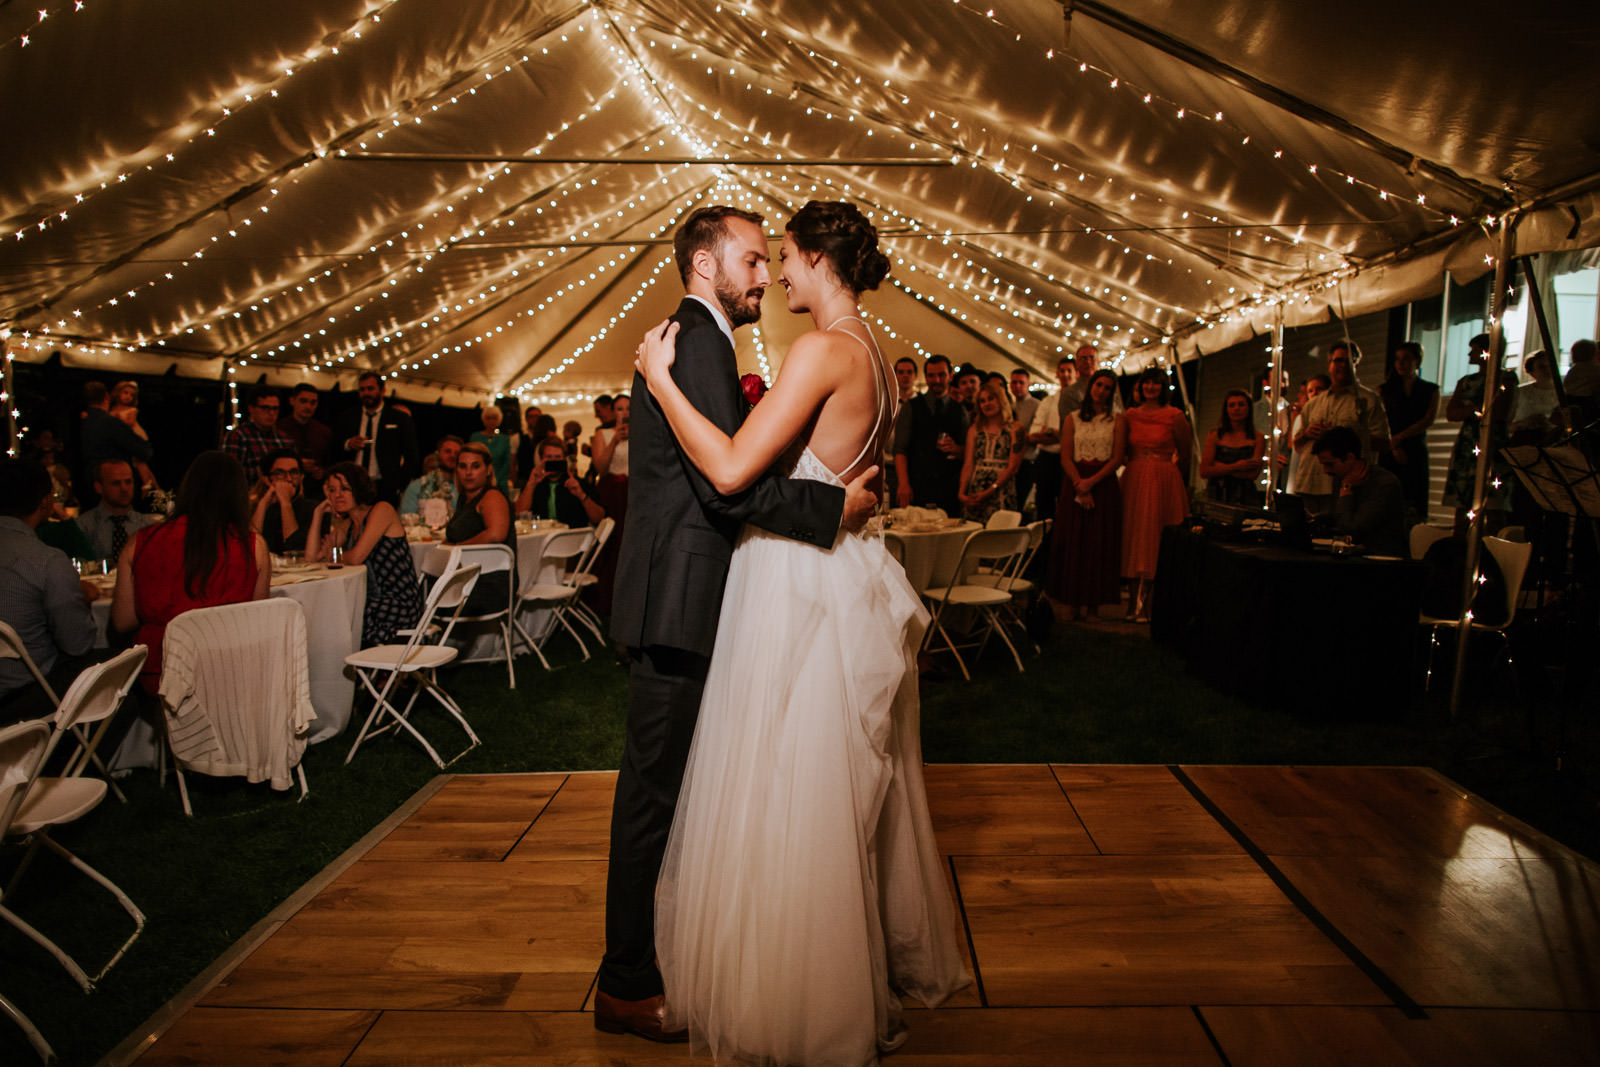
1153,484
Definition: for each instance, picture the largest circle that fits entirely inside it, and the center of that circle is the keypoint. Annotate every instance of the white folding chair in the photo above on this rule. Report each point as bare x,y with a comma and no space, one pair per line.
31,1032
30,805
489,559
586,577
1423,536
1000,548
1004,519
11,647
1512,558
236,693
416,663
1011,580
558,597
94,697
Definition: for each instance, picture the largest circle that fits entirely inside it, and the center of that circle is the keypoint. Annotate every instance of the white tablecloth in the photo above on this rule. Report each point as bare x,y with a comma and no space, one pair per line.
931,556
334,602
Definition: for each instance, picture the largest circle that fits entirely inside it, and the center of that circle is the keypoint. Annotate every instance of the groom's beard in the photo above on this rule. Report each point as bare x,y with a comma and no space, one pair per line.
740,307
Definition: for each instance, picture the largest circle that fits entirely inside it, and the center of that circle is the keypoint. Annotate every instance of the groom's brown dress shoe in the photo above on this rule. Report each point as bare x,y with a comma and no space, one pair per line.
644,1018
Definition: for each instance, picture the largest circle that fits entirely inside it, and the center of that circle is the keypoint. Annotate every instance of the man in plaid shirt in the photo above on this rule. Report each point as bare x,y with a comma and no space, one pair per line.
251,440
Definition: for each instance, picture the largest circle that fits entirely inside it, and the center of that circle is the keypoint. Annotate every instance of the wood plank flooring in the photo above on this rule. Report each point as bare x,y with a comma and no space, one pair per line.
1129,915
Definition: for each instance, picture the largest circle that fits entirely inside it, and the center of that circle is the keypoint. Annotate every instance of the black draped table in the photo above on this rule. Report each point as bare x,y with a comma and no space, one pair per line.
1290,628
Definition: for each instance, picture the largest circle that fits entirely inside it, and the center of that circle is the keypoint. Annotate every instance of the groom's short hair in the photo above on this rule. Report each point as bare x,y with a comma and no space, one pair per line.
706,228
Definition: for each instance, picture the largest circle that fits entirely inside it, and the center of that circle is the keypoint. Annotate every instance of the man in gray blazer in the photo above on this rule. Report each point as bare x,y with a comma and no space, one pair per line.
670,575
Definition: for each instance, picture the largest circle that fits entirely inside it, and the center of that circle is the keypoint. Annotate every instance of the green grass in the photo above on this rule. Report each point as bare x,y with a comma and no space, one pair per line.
1096,695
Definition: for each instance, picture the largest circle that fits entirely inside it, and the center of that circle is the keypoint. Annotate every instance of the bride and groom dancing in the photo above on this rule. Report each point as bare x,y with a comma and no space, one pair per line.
773,881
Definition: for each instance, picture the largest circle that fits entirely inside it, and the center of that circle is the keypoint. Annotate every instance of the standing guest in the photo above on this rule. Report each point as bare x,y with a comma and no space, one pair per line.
927,444
482,517
525,445
380,438
1411,405
1583,377
1086,544
107,437
604,415
1045,434
1023,406
108,525
609,446
964,389
311,440
992,456
1230,460
438,483
554,493
496,441
251,440
283,513
1347,403
1533,412
611,496
1466,407
1300,454
1370,505
202,556
1084,362
41,597
369,533
905,378
1153,493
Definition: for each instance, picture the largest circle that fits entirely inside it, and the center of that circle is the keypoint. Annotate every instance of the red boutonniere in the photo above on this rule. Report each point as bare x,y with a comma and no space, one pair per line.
754,388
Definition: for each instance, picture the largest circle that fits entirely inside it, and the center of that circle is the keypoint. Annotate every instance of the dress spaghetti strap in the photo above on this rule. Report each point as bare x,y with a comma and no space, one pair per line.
879,387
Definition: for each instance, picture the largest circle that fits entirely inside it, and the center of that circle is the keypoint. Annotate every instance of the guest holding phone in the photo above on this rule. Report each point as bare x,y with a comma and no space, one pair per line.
554,493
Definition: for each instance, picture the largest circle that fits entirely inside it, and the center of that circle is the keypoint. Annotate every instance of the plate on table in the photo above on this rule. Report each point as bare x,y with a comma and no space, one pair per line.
296,568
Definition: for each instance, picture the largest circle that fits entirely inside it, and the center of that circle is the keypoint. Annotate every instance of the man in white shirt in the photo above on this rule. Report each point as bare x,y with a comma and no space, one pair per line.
1044,433
1348,403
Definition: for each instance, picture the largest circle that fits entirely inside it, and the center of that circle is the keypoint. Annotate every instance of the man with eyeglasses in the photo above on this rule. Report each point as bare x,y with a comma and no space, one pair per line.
251,440
282,513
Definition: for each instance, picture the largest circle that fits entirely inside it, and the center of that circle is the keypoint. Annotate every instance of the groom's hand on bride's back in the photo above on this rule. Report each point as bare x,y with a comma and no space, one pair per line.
860,499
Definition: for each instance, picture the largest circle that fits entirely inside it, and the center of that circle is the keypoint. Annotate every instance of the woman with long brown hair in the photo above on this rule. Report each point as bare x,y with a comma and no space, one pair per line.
1086,544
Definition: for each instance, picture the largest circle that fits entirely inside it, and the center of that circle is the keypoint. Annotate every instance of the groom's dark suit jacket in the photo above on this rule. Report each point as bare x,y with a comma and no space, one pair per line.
680,533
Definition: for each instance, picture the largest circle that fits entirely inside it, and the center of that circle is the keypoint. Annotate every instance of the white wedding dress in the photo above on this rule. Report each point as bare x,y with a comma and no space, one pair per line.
802,886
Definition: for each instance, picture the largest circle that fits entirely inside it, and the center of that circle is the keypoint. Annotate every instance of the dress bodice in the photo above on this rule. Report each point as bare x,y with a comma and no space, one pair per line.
1092,439
1150,433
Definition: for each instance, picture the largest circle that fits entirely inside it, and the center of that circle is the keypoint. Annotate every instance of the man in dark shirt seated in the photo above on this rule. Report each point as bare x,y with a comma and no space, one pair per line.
553,493
1369,505
282,513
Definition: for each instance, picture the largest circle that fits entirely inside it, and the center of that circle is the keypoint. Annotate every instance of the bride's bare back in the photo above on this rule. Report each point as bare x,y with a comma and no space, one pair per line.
848,431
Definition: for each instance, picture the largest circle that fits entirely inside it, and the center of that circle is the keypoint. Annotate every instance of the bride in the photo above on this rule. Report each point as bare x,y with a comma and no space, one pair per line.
802,887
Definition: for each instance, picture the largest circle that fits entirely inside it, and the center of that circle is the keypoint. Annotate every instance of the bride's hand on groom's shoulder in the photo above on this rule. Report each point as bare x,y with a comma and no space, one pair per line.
657,352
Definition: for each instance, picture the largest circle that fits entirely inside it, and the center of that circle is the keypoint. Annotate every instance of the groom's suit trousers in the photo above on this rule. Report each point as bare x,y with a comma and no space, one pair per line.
664,701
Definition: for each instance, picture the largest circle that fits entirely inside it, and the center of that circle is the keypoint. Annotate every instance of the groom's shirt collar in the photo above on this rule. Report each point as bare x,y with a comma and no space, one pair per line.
717,316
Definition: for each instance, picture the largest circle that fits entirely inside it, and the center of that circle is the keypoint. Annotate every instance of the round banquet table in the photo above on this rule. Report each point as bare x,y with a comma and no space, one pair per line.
932,554
334,601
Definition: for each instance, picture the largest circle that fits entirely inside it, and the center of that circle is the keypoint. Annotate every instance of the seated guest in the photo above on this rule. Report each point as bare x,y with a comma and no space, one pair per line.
1231,458
1369,502
40,596
438,483
108,525
202,556
367,531
48,451
482,517
282,513
553,493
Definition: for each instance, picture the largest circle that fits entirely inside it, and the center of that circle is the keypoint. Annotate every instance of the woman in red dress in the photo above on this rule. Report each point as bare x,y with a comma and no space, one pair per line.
1153,484
203,555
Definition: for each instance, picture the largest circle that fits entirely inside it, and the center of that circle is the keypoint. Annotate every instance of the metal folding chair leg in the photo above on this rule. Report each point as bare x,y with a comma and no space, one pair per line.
31,1032
87,981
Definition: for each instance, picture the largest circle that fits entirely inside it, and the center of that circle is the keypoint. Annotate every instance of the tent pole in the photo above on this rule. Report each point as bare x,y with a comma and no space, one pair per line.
1194,420
8,394
1273,432
1480,483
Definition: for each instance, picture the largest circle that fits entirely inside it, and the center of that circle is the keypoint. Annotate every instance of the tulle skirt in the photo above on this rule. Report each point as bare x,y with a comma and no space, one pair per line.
801,877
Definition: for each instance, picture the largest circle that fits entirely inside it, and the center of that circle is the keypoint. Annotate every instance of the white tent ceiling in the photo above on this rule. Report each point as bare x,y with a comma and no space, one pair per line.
478,194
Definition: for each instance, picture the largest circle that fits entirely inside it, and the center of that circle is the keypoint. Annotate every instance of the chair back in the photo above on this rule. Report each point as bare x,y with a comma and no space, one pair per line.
1004,520
447,596
11,647
99,691
1423,537
562,548
999,548
22,750
1512,557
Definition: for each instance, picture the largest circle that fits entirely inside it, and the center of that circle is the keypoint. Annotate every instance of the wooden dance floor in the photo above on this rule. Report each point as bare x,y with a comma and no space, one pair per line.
1129,915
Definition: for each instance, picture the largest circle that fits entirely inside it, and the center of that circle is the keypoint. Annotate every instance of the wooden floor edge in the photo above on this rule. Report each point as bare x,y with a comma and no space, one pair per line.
147,1033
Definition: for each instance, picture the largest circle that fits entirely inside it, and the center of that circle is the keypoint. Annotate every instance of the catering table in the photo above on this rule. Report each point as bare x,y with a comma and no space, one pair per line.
1291,628
932,554
334,601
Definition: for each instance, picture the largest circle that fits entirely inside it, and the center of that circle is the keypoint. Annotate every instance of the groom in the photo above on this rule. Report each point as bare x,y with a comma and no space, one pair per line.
670,575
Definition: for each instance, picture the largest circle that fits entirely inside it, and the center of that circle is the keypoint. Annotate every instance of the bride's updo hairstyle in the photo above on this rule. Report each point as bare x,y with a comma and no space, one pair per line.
840,232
